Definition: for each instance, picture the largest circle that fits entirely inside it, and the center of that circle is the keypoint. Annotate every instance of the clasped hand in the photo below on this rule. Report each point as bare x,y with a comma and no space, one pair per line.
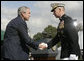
43,46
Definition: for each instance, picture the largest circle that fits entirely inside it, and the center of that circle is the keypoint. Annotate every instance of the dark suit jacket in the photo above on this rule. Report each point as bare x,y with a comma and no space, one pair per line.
68,38
17,40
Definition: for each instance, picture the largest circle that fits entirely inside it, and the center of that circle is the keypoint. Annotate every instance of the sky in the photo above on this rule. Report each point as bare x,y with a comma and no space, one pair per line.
41,15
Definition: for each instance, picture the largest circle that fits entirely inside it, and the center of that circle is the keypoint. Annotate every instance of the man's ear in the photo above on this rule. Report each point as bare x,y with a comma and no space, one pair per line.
22,14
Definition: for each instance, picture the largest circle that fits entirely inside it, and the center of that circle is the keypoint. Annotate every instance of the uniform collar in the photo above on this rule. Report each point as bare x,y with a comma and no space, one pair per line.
62,18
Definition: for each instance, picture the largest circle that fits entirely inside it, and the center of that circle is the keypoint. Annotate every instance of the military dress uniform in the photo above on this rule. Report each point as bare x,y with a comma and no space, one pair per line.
68,35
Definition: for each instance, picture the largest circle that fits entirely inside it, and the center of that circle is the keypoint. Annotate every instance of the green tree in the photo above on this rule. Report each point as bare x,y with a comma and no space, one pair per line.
37,36
51,30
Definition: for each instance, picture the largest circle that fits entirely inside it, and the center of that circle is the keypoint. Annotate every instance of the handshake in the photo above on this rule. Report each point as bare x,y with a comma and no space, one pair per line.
43,46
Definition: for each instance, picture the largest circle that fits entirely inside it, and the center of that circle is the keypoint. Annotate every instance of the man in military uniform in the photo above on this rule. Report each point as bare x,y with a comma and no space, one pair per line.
66,33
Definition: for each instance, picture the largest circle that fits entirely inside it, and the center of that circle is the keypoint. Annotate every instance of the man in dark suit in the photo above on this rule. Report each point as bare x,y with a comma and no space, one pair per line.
16,38
66,33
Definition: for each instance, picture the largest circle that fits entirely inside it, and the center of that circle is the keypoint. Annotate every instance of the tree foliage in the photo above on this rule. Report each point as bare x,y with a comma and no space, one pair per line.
50,30
37,36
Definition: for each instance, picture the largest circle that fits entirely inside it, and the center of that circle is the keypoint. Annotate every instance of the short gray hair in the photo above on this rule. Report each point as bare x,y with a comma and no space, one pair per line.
22,9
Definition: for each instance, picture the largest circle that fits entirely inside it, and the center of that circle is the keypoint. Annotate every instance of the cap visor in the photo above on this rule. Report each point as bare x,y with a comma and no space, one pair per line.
53,9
